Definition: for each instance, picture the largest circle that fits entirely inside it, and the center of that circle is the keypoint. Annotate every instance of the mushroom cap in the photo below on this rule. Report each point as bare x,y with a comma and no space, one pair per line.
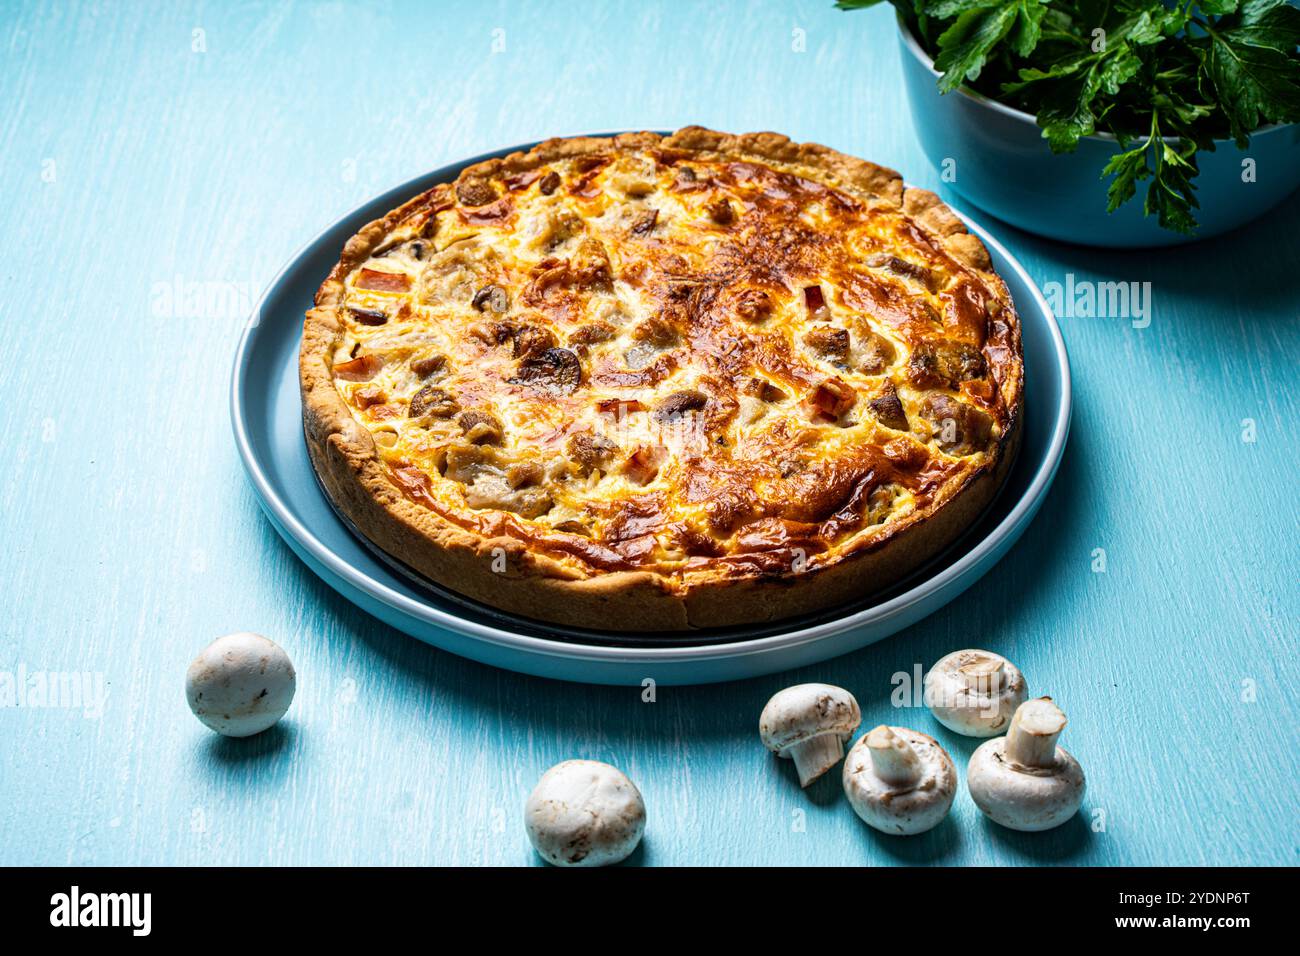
974,692
1024,798
908,809
240,684
584,813
805,711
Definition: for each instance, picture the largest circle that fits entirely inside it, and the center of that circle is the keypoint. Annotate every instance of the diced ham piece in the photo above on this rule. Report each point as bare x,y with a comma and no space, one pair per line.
360,369
619,406
643,464
383,281
815,301
831,399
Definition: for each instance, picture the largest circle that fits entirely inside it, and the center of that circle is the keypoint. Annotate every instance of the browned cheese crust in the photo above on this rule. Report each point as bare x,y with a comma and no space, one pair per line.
662,383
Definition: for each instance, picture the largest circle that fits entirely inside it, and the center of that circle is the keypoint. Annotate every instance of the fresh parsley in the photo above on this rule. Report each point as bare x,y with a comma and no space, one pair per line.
1166,77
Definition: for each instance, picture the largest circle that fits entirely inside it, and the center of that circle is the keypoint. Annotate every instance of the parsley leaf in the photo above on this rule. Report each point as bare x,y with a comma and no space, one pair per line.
1171,195
943,9
1251,72
1029,26
1171,167
1128,168
965,45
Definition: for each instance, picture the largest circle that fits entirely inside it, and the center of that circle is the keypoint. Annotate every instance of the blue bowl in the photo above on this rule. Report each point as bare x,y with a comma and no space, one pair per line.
1005,167
266,413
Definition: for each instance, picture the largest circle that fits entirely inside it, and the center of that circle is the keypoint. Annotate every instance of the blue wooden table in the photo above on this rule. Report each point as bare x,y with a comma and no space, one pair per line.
162,161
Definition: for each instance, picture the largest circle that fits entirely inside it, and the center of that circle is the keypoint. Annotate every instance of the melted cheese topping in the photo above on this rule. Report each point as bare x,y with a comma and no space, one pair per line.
645,359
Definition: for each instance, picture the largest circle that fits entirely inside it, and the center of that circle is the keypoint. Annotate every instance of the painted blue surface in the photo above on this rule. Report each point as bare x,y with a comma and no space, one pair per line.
135,167
266,413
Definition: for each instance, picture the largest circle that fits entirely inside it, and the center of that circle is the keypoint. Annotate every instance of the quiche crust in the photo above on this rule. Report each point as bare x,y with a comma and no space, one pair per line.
653,383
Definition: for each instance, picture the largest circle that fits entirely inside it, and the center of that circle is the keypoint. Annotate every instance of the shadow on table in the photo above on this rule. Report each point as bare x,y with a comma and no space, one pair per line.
256,749
1256,264
643,855
260,762
1066,842
924,849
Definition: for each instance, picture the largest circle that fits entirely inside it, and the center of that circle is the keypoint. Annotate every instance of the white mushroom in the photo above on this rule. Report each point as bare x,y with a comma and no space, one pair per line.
809,723
974,692
584,813
899,780
1023,780
240,685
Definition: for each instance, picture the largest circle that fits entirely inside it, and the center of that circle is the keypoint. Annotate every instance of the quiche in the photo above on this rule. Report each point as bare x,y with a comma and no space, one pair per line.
660,383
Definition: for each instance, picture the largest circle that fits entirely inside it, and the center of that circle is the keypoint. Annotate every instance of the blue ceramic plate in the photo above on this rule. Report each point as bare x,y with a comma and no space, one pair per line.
267,418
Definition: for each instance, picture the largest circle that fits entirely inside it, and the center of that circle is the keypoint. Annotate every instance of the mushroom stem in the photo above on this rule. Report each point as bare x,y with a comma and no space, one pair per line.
1031,739
983,675
814,756
893,758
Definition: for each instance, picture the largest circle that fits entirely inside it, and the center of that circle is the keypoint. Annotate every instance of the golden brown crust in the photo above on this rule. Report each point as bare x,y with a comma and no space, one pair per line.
473,489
